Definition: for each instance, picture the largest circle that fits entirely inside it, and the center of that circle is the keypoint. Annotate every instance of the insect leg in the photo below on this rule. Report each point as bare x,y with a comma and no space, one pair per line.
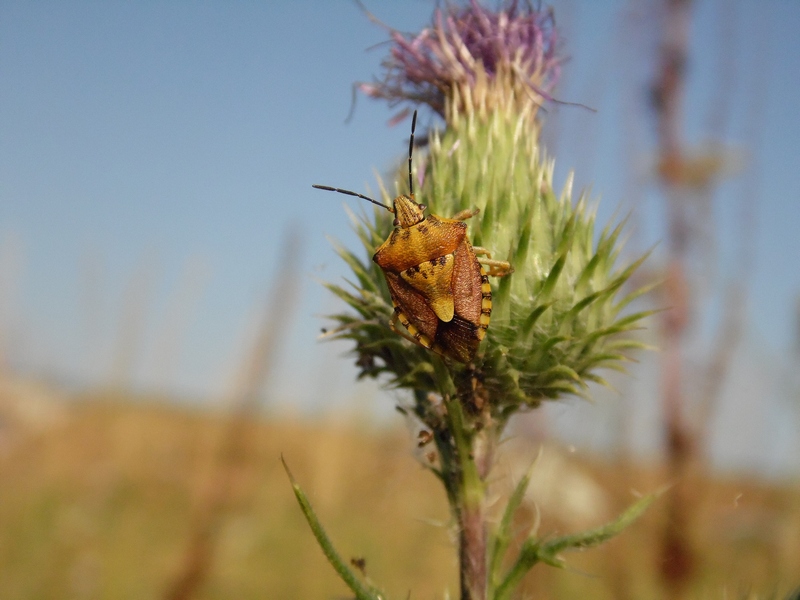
497,268
465,214
410,332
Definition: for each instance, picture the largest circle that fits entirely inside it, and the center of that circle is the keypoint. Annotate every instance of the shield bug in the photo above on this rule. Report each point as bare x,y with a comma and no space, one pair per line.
439,287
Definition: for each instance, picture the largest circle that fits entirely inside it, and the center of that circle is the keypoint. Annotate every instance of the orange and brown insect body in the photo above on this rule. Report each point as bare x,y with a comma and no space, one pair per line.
439,289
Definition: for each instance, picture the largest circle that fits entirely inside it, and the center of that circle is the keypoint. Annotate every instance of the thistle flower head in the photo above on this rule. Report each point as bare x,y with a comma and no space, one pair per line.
473,55
560,316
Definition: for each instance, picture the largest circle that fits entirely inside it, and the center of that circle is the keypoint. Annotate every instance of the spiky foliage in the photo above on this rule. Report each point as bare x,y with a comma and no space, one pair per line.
556,320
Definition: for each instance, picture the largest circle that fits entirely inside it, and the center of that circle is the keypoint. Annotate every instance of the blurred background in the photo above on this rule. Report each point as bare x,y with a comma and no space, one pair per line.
161,252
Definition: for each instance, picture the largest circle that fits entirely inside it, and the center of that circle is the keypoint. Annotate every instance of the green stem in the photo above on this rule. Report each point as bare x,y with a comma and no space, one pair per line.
528,557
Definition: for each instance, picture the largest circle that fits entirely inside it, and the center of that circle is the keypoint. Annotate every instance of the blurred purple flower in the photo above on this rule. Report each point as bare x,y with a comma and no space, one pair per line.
469,47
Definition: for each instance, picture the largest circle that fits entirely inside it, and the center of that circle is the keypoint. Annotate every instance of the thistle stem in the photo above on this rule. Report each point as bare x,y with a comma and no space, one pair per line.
472,552
472,464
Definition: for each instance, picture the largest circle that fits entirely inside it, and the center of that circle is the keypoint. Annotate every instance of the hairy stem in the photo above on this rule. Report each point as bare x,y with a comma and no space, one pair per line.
472,553
473,445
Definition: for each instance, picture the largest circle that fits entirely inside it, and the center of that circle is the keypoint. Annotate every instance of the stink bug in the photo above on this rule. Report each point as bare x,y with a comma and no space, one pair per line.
439,287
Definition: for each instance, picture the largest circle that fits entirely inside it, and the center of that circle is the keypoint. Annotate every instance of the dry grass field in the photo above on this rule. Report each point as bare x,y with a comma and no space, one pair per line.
101,500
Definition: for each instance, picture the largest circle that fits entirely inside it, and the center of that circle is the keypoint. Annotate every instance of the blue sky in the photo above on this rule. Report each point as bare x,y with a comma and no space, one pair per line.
154,155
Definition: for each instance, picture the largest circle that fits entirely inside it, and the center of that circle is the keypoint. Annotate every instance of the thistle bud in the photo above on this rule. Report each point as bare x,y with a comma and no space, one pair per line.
560,316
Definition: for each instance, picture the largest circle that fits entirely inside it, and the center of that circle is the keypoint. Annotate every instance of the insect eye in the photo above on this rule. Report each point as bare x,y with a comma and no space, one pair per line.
396,222
423,206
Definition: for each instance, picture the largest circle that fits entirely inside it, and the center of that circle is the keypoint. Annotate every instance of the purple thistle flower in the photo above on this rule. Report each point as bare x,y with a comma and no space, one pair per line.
511,51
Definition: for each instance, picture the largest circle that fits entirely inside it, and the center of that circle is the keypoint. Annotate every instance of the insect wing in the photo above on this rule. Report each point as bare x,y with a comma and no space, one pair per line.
467,283
415,308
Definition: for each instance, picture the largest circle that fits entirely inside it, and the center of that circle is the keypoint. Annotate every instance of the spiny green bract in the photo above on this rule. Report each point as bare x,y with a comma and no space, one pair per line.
555,320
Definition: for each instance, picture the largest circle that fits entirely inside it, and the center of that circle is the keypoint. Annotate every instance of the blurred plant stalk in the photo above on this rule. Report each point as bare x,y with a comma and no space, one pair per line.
228,472
688,179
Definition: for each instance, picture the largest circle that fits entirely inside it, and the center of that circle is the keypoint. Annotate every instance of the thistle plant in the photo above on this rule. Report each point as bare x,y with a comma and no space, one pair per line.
560,317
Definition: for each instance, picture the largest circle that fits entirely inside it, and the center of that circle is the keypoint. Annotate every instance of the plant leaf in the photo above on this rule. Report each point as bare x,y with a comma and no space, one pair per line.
502,536
534,551
350,579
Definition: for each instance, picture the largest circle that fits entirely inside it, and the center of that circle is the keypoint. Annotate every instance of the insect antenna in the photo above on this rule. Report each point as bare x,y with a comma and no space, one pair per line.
349,193
410,151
